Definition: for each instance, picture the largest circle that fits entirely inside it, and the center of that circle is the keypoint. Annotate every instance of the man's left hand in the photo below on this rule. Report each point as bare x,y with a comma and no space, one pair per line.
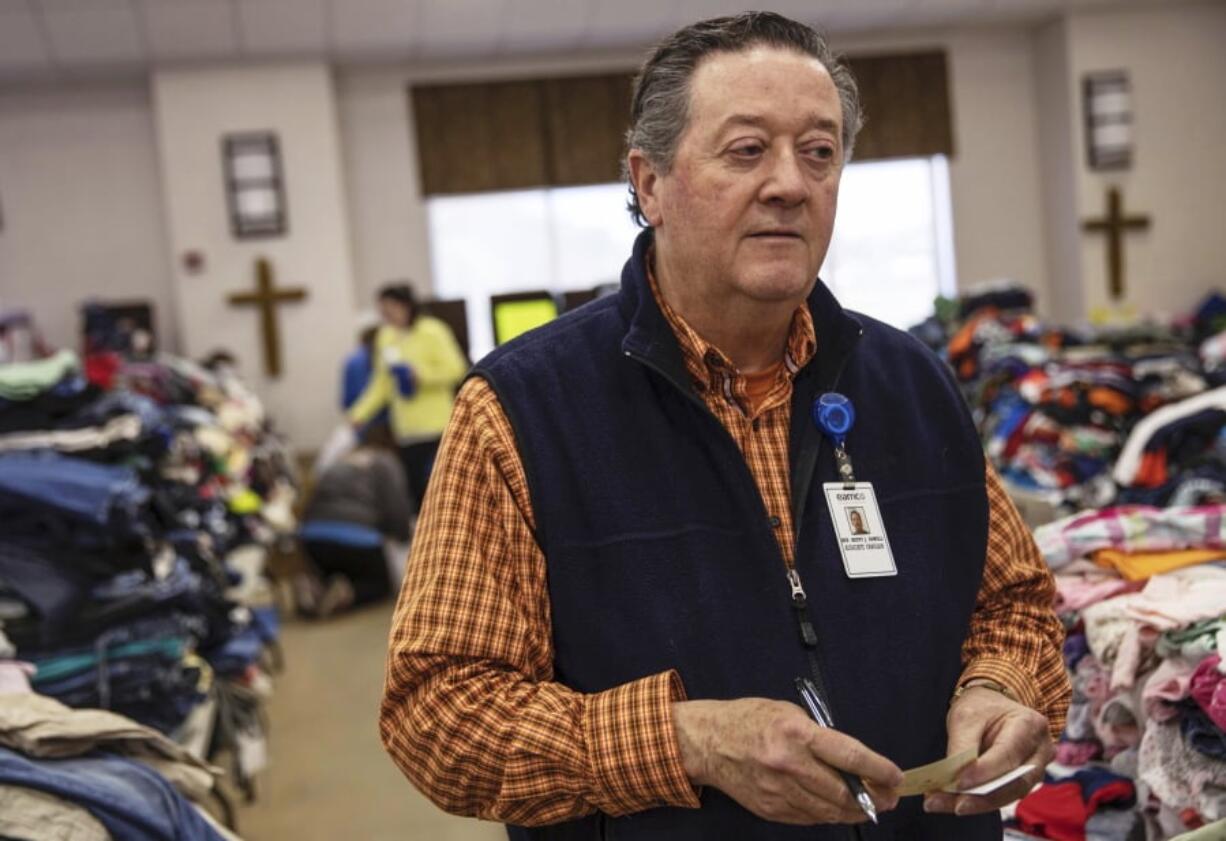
1007,735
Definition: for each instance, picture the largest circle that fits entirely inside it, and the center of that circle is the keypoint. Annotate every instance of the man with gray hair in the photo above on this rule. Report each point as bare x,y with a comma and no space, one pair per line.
636,544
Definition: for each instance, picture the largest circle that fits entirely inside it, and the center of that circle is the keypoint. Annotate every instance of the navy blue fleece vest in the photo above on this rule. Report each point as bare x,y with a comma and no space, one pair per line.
661,554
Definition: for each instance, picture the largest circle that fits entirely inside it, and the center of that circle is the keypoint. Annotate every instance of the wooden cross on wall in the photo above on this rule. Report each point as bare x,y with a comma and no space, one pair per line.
266,296
1114,224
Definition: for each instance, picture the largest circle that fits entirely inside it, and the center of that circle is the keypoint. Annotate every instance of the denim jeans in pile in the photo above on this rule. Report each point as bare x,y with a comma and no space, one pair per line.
132,801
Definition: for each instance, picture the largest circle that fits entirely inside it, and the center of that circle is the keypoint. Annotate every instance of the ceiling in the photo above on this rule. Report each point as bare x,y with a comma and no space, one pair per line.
92,38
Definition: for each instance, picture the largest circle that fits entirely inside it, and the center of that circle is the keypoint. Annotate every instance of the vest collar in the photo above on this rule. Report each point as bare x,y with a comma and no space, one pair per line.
650,339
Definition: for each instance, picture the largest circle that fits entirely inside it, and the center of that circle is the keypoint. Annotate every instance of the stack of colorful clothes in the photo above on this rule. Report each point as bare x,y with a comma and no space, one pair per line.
139,497
1056,407
1177,455
1142,591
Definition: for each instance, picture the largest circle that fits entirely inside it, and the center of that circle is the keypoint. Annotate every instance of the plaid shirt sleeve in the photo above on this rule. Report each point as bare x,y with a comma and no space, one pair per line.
470,711
1015,637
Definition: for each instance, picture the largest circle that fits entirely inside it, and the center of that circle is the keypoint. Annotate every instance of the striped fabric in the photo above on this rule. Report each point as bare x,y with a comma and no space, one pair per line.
1132,528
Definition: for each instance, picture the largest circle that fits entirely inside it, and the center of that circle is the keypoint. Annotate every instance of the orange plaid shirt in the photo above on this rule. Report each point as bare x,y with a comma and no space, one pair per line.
471,713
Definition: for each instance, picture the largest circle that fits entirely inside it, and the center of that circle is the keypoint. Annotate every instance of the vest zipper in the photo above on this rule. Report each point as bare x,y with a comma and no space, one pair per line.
800,602
808,633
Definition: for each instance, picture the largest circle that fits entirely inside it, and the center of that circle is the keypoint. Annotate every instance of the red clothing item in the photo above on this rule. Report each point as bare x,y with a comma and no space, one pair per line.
101,368
1153,472
1054,811
1060,810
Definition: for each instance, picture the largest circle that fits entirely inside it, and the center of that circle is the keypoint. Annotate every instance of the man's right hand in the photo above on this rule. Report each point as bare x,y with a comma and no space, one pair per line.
770,757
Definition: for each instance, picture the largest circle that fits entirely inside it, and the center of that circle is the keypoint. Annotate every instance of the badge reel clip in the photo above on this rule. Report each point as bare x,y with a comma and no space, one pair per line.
835,415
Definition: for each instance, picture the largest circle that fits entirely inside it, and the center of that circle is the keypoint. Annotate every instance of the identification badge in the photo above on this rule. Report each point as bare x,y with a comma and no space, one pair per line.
861,533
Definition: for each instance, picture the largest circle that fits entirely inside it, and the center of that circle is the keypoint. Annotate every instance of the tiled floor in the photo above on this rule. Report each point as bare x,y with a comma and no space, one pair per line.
329,777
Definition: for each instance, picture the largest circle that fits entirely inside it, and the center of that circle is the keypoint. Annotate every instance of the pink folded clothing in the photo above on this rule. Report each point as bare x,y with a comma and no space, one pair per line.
1073,592
1132,528
1208,689
1122,630
1074,754
1180,598
1169,684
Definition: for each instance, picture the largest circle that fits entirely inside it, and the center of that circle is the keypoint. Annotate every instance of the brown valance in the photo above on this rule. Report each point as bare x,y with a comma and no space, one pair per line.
556,132
567,131
474,138
906,105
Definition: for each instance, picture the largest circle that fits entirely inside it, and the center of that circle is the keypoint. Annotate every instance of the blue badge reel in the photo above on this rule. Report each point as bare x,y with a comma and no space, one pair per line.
834,415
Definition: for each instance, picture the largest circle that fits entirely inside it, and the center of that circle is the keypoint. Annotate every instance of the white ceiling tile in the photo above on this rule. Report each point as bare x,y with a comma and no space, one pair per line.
21,43
954,13
977,6
190,29
104,34
545,25
692,11
360,26
865,15
814,14
74,5
461,27
83,34
282,26
631,23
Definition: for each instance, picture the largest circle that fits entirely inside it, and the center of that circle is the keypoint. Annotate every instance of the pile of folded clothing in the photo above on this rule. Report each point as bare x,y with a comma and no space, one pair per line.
92,774
140,497
1056,407
1142,591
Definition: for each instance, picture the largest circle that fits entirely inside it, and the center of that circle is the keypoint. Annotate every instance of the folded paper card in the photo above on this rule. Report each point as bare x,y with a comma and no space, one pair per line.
935,775
943,776
992,785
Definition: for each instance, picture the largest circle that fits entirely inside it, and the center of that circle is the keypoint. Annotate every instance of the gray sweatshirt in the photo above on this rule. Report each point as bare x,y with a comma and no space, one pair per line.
365,486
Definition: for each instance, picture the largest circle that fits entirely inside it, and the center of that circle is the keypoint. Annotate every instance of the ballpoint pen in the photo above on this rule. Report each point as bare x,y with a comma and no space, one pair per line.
818,710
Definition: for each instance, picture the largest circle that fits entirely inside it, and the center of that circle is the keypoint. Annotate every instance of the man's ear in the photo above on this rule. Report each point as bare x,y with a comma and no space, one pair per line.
646,182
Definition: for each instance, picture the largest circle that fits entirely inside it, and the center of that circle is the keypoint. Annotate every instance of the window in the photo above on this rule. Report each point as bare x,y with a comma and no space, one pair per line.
564,239
892,252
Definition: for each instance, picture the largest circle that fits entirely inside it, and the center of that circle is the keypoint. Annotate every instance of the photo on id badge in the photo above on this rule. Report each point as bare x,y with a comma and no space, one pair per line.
855,517
863,542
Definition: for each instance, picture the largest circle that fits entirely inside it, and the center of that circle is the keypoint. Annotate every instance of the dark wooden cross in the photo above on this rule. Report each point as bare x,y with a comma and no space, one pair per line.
266,297
1114,225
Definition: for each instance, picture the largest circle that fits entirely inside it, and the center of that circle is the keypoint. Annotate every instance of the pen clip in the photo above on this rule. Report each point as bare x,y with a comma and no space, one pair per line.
814,701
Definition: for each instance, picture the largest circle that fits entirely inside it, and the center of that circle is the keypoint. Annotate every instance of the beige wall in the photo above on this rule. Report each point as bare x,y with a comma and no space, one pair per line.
82,205
194,110
994,172
387,215
1056,99
1176,60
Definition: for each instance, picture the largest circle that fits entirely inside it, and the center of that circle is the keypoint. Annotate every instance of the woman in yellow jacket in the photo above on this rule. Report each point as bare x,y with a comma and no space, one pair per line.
417,366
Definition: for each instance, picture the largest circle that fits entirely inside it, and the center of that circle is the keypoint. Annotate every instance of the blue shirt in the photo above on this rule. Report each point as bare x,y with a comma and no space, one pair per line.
346,534
354,377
